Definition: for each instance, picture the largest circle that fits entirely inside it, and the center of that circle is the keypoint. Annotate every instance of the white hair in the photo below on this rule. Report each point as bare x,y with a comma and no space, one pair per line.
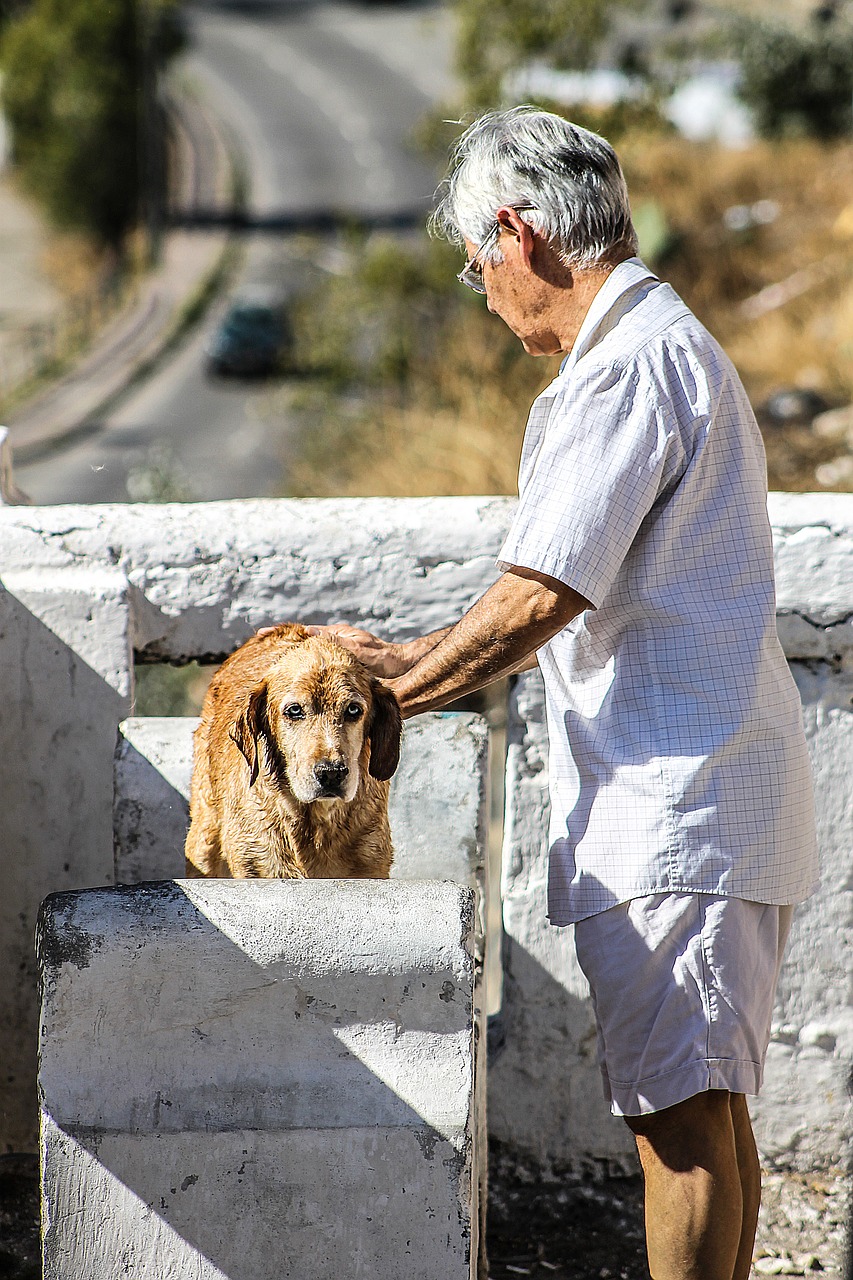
570,178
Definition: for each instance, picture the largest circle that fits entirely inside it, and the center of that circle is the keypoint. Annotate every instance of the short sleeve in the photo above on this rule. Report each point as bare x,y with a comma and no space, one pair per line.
601,459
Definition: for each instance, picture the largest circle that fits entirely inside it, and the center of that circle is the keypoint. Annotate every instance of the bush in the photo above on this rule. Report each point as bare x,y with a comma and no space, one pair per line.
412,387
399,297
496,36
797,83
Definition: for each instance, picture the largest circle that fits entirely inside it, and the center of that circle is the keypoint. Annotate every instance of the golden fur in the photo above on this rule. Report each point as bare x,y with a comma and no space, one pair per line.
291,764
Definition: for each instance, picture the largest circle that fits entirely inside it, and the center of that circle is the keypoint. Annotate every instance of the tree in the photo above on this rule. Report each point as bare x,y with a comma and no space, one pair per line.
496,36
798,82
73,75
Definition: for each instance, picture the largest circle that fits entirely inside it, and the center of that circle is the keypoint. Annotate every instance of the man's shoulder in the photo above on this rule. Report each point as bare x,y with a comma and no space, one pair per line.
653,334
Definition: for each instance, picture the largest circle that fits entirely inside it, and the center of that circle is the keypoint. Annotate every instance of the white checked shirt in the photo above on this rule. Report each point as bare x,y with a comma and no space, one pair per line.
677,753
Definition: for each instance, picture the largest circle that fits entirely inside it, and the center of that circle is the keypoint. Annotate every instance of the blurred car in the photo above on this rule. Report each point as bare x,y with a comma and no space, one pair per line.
253,338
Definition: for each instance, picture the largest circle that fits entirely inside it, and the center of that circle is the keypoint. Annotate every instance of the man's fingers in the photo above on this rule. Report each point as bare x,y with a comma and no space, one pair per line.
314,629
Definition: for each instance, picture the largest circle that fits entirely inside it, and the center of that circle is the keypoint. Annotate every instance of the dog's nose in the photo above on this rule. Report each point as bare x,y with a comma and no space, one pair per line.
330,773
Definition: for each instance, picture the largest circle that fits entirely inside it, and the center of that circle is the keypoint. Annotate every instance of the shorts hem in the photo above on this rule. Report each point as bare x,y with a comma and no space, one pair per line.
659,1092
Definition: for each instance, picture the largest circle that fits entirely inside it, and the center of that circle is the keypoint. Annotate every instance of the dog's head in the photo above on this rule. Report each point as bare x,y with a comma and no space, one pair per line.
324,720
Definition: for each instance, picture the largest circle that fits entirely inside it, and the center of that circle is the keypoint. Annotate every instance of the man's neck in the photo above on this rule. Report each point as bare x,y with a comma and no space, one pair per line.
573,307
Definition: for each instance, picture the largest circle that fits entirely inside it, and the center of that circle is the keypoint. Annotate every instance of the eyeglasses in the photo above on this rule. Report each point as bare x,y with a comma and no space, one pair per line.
472,273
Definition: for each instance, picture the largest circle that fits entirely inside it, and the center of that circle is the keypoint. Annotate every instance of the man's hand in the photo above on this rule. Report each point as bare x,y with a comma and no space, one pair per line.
383,658
498,636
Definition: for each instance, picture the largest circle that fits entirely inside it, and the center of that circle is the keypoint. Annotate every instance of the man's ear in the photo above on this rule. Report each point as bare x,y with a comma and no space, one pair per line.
250,724
384,732
511,221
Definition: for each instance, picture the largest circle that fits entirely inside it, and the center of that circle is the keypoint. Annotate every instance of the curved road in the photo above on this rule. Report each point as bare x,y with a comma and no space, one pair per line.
322,99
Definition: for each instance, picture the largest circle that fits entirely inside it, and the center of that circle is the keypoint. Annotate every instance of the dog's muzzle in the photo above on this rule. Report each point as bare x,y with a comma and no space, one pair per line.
331,776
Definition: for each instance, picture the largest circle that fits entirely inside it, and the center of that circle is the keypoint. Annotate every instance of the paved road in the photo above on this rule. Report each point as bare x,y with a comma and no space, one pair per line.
322,99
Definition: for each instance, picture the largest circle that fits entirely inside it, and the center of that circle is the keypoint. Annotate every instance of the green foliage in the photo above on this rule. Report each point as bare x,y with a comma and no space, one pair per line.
161,690
366,326
409,386
8,9
797,83
496,36
74,72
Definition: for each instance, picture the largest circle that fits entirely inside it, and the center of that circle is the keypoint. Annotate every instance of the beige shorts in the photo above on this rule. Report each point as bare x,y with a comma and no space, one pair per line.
683,986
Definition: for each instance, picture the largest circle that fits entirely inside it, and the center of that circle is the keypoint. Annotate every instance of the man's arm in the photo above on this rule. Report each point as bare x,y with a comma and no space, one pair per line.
498,636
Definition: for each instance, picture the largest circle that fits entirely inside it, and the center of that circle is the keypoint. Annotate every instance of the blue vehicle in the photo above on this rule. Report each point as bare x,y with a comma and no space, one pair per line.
253,338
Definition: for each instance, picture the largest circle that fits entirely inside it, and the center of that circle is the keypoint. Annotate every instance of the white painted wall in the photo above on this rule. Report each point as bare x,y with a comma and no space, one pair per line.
83,586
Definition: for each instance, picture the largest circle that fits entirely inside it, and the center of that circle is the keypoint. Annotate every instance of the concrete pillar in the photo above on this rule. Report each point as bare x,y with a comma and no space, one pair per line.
545,1099
259,1081
64,684
804,1114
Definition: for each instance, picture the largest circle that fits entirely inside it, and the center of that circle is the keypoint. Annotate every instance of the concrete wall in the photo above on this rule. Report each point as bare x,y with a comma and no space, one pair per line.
84,587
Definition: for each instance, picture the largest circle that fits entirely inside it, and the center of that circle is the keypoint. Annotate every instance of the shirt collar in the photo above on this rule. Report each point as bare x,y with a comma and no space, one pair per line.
605,309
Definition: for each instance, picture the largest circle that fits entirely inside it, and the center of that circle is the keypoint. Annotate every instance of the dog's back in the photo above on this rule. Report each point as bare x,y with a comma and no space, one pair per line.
292,758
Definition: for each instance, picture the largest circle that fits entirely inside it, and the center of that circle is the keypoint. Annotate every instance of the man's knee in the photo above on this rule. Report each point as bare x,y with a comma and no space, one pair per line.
683,1133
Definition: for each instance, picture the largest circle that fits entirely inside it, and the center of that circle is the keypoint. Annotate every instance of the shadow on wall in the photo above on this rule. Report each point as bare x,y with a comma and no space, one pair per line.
544,1079
56,736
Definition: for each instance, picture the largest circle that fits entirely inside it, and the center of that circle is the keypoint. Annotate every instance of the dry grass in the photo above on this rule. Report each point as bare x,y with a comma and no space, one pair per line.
451,424
73,264
808,341
450,420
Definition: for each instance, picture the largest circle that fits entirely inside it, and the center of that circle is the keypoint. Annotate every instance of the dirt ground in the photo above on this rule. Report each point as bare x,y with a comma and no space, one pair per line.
594,1231
569,1231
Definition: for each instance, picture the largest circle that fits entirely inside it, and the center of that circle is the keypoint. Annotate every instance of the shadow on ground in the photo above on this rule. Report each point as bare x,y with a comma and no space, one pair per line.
19,1218
586,1232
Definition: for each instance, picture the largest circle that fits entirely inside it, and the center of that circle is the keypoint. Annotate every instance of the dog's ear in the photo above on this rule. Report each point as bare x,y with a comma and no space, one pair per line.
384,732
251,723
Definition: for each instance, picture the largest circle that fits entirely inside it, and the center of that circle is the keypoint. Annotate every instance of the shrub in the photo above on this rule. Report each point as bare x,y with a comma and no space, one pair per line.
496,36
797,83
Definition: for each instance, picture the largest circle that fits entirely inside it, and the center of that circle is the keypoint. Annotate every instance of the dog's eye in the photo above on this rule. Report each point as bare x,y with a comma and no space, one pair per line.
354,711
294,711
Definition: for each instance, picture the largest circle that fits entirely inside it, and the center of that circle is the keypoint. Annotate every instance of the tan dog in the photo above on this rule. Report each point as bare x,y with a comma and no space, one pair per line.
292,758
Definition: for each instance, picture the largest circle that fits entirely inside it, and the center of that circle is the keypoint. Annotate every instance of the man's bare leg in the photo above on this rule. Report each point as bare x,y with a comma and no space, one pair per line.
749,1168
701,1187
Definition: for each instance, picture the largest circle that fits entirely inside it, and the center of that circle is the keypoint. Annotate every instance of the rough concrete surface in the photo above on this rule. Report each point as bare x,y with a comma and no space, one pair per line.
258,1080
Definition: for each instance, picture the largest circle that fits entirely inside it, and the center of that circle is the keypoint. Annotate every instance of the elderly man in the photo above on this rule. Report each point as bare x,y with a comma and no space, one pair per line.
638,573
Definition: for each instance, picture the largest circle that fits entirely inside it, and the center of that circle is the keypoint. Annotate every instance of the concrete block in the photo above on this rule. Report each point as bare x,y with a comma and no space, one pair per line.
438,802
259,1080
204,576
545,1098
151,797
813,555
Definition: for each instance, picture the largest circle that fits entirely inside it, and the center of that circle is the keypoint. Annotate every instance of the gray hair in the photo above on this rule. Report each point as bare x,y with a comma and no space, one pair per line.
570,177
